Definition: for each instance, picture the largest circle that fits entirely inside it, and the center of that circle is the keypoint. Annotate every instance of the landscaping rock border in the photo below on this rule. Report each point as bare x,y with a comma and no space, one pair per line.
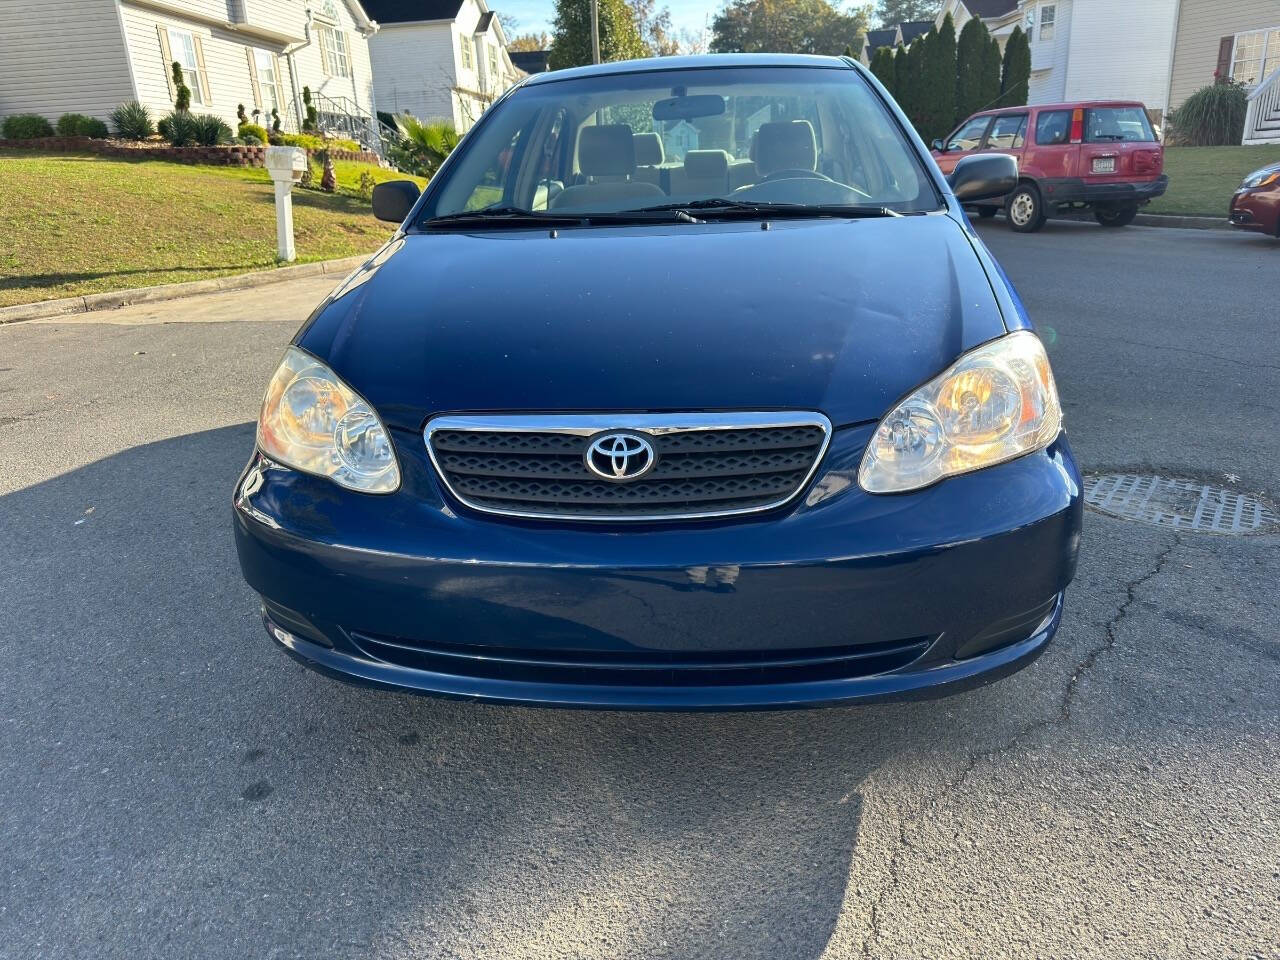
114,299
232,155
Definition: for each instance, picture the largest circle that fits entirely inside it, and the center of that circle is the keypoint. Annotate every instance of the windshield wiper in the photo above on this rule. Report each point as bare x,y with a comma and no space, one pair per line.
503,216
724,208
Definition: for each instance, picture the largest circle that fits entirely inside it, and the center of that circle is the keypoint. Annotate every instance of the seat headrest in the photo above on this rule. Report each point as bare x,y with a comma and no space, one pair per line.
649,152
706,164
786,145
607,151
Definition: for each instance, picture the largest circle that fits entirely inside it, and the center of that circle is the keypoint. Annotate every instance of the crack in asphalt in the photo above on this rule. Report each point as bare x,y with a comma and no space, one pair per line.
1062,717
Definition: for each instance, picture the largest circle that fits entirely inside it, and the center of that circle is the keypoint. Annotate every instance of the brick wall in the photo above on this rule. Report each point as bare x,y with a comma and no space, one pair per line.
229,156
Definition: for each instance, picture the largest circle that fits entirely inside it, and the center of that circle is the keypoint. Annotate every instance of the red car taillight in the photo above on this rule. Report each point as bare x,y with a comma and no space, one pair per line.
1077,125
1146,161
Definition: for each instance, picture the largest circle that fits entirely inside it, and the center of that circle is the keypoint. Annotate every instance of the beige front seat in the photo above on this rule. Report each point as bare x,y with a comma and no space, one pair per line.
705,174
785,145
607,158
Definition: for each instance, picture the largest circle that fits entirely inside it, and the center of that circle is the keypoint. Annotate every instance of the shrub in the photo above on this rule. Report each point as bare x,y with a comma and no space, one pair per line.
241,116
211,130
423,145
252,130
309,123
132,121
26,126
78,125
179,128
1213,116
366,185
181,92
309,141
275,120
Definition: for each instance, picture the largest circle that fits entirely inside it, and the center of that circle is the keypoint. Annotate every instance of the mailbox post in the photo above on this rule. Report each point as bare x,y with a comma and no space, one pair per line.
285,164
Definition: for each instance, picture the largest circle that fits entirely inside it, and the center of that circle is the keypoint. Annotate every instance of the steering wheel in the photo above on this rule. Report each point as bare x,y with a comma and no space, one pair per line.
797,173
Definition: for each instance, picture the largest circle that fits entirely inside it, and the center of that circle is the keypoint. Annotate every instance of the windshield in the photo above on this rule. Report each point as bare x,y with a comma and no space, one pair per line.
796,136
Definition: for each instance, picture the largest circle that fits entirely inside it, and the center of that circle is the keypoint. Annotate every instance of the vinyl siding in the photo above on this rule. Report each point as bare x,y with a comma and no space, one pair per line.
414,68
227,66
1121,51
62,56
1201,24
1049,57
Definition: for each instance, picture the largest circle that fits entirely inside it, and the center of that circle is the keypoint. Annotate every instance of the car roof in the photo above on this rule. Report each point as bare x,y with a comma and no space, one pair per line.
1069,105
653,64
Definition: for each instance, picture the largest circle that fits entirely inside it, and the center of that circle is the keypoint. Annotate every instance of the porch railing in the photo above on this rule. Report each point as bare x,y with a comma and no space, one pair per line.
1262,121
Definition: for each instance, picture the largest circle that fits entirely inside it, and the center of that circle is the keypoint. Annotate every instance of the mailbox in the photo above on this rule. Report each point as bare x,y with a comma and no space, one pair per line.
286,164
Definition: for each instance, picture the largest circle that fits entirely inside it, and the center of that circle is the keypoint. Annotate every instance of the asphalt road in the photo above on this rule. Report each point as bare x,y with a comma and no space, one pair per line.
173,786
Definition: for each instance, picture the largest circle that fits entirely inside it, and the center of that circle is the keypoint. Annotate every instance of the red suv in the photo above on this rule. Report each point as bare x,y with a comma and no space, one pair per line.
1100,154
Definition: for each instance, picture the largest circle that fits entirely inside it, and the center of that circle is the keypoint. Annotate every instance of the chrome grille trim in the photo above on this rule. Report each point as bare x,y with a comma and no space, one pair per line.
576,428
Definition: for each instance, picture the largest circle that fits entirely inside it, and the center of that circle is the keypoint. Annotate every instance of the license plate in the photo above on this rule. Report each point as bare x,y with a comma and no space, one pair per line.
1104,164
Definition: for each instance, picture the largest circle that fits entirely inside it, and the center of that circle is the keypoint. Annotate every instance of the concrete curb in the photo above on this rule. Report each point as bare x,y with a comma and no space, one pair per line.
115,299
1186,223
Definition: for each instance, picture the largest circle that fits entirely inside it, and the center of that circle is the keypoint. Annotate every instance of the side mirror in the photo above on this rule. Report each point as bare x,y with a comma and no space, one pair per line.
984,177
393,200
939,146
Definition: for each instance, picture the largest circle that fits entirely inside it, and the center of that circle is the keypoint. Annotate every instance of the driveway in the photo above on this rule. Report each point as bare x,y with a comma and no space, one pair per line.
173,786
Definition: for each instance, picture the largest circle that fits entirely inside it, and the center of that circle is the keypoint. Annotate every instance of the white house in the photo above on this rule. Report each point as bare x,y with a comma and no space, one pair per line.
88,56
1000,16
439,58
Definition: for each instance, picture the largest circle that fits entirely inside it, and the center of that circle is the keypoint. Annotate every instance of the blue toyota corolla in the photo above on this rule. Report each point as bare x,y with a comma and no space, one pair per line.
685,384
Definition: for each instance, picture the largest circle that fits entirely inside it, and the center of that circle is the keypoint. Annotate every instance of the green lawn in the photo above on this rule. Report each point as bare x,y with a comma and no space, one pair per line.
82,223
1202,179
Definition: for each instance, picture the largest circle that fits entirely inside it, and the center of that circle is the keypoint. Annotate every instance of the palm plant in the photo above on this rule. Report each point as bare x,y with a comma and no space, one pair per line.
423,145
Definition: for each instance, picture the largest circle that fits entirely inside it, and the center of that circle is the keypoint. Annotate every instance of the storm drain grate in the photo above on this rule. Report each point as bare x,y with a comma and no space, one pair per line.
1179,504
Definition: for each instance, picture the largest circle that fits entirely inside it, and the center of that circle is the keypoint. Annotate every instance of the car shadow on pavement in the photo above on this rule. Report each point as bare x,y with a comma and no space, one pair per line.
171,777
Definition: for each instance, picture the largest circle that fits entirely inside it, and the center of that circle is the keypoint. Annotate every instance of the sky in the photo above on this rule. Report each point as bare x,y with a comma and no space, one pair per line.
534,16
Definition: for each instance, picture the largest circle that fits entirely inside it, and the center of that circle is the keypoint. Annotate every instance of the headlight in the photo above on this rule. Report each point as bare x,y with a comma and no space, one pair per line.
315,423
1260,178
995,403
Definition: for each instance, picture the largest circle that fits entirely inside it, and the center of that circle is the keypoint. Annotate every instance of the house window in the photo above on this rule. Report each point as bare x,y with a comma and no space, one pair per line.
1048,16
182,47
265,62
468,52
1255,56
333,49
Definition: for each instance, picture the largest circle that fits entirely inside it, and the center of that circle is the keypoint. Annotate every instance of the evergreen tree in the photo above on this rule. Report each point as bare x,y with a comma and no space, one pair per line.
181,92
1017,70
917,83
989,88
903,89
571,45
972,53
883,66
940,81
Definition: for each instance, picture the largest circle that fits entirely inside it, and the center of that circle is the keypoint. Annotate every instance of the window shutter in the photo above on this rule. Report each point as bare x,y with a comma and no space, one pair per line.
204,74
322,34
253,76
1225,48
279,85
167,57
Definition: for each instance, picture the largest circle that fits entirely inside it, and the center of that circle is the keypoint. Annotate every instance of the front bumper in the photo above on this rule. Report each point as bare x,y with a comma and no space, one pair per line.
841,597
1257,210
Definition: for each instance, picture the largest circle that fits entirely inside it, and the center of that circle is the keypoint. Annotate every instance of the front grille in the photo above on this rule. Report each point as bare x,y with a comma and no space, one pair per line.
702,464
643,668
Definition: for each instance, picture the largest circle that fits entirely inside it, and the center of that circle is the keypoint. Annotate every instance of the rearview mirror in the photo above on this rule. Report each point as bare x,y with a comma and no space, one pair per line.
686,108
393,200
984,177
939,146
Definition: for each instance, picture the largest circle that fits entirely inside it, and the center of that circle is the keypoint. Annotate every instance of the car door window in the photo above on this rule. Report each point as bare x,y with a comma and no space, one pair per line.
1053,127
969,135
1007,132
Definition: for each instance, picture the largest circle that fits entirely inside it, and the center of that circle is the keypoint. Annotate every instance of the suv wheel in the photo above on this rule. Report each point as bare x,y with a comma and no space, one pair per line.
1115,216
1025,209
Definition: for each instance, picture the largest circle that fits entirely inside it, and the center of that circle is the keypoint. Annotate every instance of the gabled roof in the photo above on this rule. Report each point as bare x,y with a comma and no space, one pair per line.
485,20
530,61
988,9
916,28
881,38
411,11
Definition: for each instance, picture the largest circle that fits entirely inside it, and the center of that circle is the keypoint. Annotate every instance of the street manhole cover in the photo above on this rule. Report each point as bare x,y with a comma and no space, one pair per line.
1179,504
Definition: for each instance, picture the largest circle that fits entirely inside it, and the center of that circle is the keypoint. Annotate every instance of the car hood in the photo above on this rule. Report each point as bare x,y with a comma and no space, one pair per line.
838,316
